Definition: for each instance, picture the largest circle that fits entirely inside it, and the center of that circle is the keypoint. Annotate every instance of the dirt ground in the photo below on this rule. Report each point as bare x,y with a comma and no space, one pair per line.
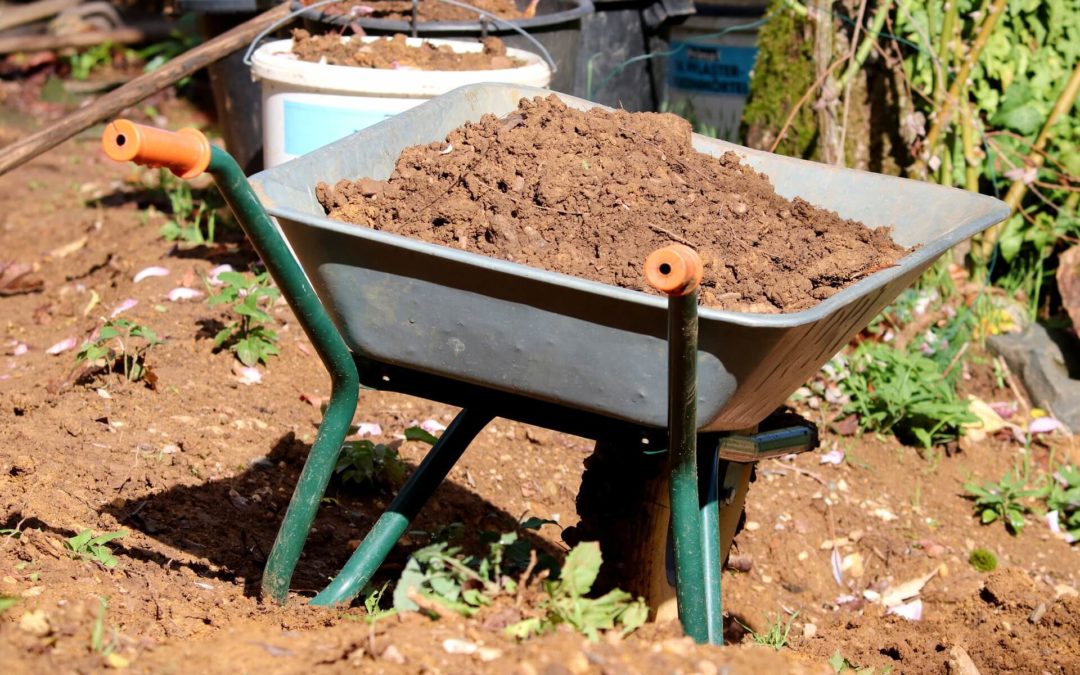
200,469
395,52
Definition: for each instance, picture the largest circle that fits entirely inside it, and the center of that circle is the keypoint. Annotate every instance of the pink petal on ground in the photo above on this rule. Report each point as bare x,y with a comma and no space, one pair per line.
182,293
912,611
20,349
836,567
1043,425
833,457
62,346
217,271
150,272
123,307
368,429
248,375
1004,408
432,427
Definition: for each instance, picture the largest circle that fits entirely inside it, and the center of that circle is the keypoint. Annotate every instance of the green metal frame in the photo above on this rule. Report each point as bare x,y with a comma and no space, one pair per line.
695,532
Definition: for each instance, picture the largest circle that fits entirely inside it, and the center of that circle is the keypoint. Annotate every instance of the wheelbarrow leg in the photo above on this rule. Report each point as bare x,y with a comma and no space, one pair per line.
395,520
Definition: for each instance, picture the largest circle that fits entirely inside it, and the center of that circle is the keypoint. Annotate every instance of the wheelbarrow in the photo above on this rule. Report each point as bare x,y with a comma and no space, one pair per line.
499,339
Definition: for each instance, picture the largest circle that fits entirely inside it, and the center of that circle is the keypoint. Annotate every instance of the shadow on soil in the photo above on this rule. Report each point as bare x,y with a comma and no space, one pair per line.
231,523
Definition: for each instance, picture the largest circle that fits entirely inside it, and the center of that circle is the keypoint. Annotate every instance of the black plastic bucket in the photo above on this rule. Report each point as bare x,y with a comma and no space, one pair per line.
557,26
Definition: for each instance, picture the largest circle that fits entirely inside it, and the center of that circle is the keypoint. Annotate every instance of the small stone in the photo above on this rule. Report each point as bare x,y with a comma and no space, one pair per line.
803,555
1037,613
766,579
487,654
114,660
809,630
960,663
393,655
578,663
707,668
752,525
35,623
455,646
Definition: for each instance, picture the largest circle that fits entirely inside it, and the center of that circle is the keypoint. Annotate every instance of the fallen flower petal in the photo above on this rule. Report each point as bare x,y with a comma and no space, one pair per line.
836,567
368,429
1043,425
150,272
912,611
833,457
62,346
182,293
432,427
218,271
247,375
123,307
20,349
1004,408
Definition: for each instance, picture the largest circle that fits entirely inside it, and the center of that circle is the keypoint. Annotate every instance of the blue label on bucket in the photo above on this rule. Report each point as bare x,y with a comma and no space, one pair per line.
709,68
309,127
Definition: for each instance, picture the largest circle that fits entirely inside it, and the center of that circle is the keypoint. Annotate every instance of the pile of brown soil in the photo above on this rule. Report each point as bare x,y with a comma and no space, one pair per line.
428,10
395,52
593,193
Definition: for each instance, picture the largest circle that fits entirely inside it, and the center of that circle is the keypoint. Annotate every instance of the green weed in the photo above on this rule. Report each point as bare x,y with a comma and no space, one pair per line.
776,636
249,336
366,464
1003,500
86,546
841,665
1063,496
903,393
121,343
83,63
7,602
194,220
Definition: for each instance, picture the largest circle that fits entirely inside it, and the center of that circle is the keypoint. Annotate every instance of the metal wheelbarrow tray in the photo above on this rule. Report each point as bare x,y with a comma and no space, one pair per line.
578,343
502,339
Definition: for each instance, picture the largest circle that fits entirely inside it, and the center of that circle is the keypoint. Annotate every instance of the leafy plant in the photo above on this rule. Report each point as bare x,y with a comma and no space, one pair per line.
7,602
123,343
86,546
904,393
1063,496
1002,500
567,601
194,220
841,665
249,336
83,63
983,560
364,463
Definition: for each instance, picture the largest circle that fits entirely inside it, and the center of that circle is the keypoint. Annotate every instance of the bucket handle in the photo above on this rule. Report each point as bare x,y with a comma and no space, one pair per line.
292,15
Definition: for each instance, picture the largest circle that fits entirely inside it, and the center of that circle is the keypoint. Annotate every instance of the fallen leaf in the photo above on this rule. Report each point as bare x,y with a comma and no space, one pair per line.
912,611
62,346
847,426
896,595
69,248
94,300
123,307
17,278
989,420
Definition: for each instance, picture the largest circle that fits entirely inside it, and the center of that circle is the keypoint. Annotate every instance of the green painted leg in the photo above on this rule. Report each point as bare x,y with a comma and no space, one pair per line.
690,588
395,520
711,550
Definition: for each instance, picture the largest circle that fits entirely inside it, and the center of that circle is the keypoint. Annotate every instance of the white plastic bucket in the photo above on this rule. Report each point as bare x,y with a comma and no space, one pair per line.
308,105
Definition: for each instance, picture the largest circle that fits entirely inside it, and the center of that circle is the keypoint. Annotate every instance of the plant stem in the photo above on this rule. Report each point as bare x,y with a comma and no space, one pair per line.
945,112
831,152
867,44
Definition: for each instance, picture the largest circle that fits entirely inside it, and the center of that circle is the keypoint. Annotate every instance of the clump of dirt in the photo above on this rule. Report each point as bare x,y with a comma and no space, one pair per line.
427,10
395,53
591,194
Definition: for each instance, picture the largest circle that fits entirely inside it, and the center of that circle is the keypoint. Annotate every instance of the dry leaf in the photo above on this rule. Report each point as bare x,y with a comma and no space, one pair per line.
16,278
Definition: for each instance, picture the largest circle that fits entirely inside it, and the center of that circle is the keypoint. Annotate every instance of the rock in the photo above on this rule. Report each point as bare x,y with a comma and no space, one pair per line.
1037,360
809,630
393,655
455,646
1037,613
35,623
960,663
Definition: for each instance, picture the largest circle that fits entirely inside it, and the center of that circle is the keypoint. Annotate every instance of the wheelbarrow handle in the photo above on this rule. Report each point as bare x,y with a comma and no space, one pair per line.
186,152
674,270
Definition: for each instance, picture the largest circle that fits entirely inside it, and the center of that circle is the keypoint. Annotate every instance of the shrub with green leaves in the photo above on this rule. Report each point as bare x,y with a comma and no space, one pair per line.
120,344
1003,500
1063,496
86,546
249,336
904,393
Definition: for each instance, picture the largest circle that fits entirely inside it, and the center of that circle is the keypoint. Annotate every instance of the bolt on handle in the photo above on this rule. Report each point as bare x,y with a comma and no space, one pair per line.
674,270
186,152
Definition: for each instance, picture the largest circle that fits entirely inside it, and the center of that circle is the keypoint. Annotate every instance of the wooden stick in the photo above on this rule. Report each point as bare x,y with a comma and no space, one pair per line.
122,36
17,16
138,89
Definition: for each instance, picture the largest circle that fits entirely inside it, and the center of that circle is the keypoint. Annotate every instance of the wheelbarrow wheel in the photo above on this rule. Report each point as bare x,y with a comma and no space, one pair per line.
623,504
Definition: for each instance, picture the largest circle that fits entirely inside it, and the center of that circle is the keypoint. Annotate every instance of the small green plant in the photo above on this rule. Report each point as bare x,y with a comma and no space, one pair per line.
1002,500
776,636
193,221
567,601
121,343
366,464
83,63
7,602
249,336
1063,496
86,546
904,393
983,560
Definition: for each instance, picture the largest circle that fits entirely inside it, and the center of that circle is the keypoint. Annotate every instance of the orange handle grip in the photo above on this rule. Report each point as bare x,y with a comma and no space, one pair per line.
674,270
186,152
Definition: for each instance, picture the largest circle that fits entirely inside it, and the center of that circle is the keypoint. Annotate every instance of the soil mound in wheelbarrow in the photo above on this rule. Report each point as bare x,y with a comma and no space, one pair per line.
593,193
395,52
427,10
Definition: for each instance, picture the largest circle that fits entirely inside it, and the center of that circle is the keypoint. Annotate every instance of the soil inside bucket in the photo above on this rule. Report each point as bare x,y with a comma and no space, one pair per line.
427,10
591,194
395,52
